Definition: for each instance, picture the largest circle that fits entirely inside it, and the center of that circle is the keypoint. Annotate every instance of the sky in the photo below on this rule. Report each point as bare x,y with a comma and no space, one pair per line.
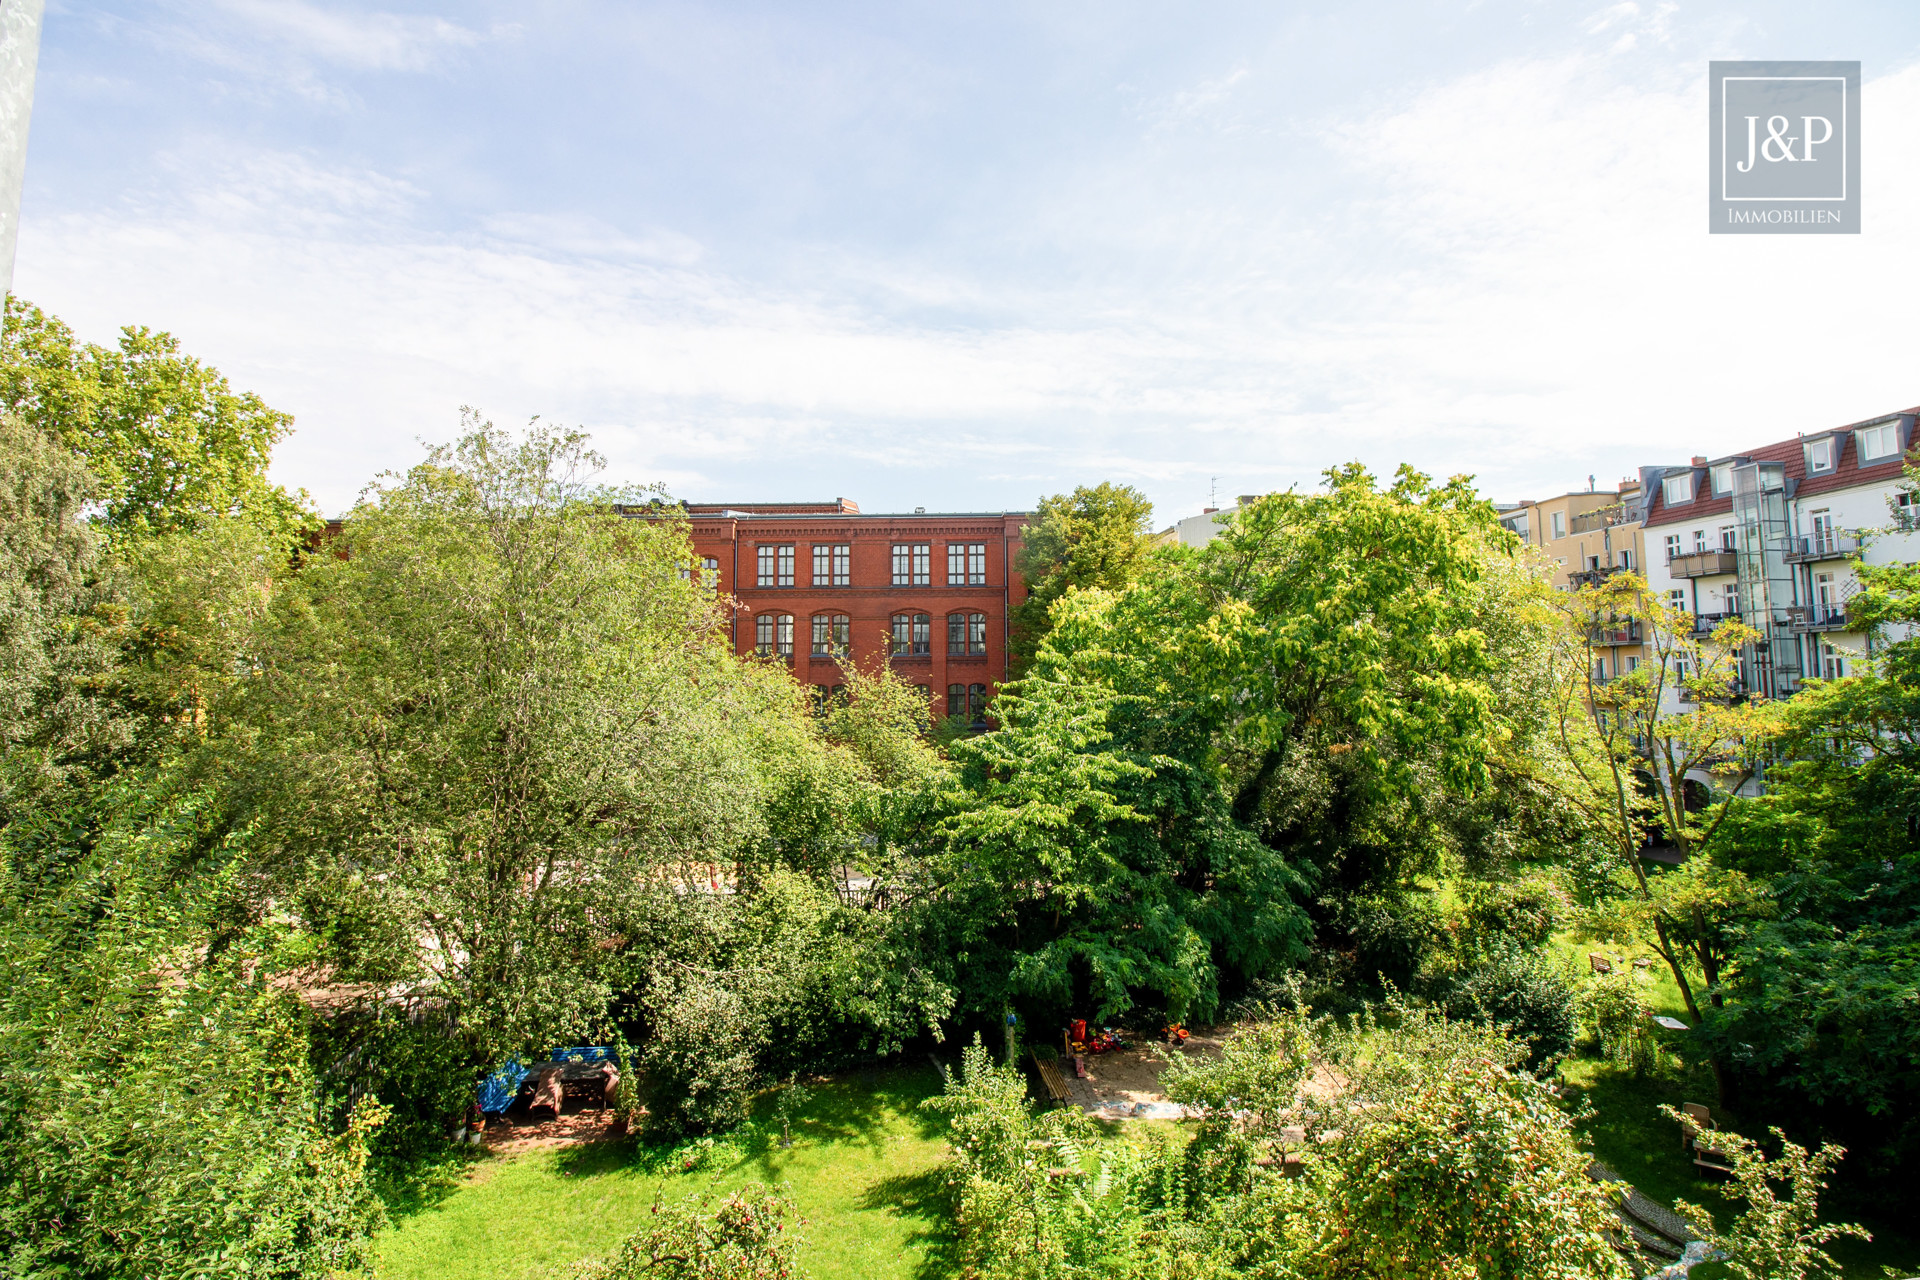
962,256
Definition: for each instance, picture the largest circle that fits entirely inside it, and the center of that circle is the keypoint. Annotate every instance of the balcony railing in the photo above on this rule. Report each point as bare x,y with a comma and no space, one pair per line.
1701,564
1830,545
1704,623
1603,518
1819,617
1616,634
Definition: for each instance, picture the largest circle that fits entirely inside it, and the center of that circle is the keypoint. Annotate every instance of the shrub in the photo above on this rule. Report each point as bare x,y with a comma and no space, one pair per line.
1524,993
750,1235
1521,911
1614,1008
1392,936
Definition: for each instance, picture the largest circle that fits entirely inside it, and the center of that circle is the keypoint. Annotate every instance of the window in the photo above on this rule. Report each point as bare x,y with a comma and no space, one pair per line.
1819,455
977,703
1675,490
1722,479
832,564
956,699
912,635
1832,665
1733,598
1559,524
1729,537
1593,564
912,564
832,633
1625,556
1699,539
1825,537
1879,442
966,564
1633,664
1600,670
1673,546
827,697
773,635
1677,600
710,572
966,633
776,565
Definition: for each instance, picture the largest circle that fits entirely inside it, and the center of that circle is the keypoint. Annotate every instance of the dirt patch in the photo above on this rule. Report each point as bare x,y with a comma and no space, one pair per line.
1125,1085
517,1131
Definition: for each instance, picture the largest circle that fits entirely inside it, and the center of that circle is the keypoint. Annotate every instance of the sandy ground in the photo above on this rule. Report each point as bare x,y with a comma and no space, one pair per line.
1126,1085
518,1131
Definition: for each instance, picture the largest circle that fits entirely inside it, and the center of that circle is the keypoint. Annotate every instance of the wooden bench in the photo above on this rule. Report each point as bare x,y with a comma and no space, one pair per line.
1050,1077
1696,1135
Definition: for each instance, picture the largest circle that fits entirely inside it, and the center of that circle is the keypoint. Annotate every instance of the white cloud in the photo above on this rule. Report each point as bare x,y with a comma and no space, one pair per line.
361,41
1507,274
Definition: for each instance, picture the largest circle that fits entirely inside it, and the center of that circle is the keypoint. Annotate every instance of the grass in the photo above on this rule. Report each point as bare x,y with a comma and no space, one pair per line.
862,1171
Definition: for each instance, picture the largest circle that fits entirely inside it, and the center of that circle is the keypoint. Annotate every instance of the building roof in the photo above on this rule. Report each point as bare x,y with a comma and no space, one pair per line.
1846,474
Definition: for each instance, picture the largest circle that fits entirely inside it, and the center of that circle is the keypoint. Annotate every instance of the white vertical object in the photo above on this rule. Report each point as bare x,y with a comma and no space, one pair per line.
19,56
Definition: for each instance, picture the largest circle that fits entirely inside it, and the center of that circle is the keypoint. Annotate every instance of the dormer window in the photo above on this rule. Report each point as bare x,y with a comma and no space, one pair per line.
1879,442
1675,490
1820,456
1723,480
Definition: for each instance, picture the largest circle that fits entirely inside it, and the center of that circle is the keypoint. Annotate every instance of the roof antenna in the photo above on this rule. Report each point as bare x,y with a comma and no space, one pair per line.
1589,484
1213,493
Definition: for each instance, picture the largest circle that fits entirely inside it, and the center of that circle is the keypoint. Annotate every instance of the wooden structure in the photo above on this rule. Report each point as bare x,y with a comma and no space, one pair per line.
1695,1136
1051,1079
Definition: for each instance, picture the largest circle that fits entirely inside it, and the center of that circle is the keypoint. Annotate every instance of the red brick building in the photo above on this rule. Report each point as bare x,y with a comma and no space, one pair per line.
818,584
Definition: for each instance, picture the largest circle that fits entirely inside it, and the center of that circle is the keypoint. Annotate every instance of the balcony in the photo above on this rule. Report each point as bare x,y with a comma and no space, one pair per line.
1830,545
1704,623
1591,577
1616,634
1819,617
1701,564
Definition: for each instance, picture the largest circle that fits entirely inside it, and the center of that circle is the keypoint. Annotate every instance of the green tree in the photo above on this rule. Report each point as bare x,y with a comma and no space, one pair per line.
1097,536
169,441
490,724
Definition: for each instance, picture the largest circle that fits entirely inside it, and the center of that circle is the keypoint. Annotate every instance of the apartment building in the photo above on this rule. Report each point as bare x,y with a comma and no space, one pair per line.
821,586
1767,536
1589,536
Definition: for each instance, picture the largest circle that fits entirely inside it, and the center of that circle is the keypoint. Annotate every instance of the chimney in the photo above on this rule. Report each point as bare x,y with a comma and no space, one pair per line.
1207,511
1699,462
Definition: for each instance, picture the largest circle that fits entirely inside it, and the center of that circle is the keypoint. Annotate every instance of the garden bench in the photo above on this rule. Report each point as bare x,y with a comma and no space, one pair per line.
1693,1137
1050,1077
1601,963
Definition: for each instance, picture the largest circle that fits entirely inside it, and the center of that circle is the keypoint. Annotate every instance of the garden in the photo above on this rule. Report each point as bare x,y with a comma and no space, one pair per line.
311,829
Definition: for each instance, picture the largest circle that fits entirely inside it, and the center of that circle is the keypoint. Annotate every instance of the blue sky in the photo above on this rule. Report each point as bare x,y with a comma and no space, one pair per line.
959,256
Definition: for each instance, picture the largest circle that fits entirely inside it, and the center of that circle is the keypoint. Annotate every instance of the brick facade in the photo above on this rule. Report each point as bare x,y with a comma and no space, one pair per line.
739,540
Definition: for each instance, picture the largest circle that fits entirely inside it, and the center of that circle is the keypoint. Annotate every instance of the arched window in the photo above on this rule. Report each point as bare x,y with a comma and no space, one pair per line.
912,635
966,633
977,703
773,634
832,633
956,700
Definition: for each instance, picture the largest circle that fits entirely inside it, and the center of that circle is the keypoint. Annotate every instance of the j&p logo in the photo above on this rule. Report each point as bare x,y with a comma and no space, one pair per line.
1785,147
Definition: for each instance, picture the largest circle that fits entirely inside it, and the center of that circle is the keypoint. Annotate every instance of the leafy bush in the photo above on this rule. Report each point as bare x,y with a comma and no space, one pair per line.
1615,1009
1525,912
1392,937
1525,993
751,1234
1773,1239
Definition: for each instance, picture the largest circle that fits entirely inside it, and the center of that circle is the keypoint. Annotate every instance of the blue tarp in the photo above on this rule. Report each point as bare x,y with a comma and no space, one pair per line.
499,1089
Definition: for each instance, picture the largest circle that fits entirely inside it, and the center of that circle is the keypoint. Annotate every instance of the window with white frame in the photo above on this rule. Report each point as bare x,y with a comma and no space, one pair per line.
966,564
832,564
773,635
1559,524
1825,536
1625,556
1729,537
1699,539
1820,456
1833,663
775,565
710,572
912,564
1633,664
1675,490
966,634
1878,442
832,634
1677,600
912,635
1723,480
1673,546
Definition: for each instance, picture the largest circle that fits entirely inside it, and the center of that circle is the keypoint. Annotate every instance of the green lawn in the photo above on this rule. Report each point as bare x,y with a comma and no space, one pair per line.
862,1172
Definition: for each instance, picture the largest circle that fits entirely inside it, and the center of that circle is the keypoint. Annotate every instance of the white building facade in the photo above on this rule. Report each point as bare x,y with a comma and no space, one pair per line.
1769,536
